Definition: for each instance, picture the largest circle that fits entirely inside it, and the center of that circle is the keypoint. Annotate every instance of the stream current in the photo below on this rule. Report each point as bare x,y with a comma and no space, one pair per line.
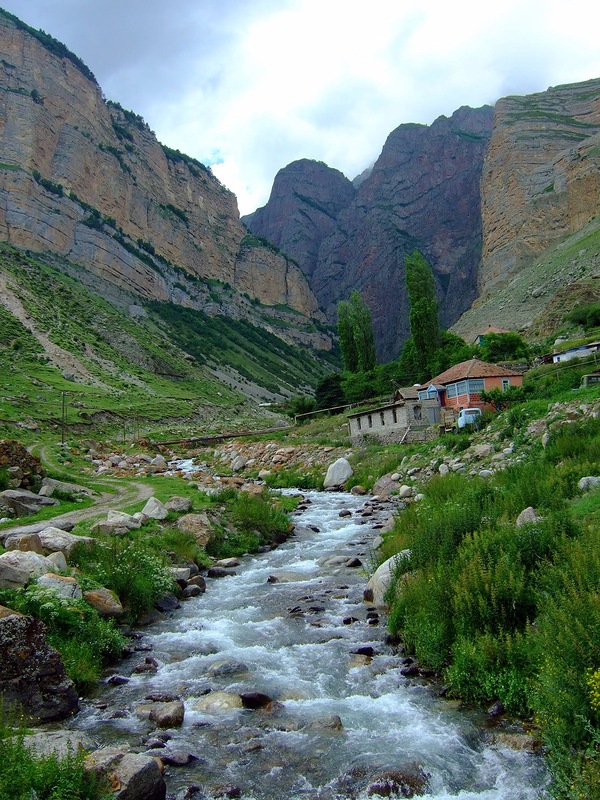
296,641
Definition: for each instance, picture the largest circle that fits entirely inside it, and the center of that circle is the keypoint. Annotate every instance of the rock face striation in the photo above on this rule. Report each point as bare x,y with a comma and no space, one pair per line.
422,193
541,176
88,180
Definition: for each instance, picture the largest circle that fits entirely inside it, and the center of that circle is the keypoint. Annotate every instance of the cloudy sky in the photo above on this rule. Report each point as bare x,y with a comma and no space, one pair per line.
250,85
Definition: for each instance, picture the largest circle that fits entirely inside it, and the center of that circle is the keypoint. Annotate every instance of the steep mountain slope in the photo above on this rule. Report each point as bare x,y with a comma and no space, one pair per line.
305,201
86,179
423,192
541,176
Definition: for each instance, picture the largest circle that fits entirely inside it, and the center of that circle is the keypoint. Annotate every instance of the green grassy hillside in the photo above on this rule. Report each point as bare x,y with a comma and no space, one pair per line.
159,368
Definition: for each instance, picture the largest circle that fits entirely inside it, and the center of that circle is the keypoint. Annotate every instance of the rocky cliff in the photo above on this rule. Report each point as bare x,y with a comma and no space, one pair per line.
541,176
86,179
423,192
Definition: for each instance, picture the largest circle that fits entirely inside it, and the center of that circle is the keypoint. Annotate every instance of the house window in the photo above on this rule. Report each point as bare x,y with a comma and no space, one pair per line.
505,384
417,412
451,390
358,423
476,385
461,388
370,421
382,417
394,416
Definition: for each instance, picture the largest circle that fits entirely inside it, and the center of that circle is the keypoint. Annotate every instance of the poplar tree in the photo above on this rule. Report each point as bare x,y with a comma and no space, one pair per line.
355,334
423,316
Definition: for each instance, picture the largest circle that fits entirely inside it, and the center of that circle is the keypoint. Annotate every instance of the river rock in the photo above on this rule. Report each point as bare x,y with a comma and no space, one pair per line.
137,776
254,700
385,485
106,602
227,563
287,577
226,668
23,502
60,585
155,509
17,568
168,715
337,473
33,674
331,723
159,462
56,540
217,702
60,743
398,783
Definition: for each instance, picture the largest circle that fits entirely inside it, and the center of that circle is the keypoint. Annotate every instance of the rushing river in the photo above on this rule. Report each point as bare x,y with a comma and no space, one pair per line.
298,642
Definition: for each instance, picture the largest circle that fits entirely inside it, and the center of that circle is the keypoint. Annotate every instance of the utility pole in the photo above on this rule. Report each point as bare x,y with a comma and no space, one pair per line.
63,418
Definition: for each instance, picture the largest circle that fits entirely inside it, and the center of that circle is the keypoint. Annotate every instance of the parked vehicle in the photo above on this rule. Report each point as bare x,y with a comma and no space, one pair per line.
468,417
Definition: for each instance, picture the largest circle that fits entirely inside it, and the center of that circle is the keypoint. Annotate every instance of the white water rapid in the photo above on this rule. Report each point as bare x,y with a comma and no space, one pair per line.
297,641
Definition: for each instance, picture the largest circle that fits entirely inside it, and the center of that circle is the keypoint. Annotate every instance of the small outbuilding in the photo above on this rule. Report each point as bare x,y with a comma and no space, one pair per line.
406,419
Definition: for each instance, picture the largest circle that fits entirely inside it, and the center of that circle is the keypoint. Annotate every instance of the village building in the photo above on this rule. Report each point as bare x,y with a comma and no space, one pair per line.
479,337
578,351
405,419
461,385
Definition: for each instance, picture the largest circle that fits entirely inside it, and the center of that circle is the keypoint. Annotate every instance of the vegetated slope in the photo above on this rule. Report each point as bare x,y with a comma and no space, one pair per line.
540,295
86,179
131,362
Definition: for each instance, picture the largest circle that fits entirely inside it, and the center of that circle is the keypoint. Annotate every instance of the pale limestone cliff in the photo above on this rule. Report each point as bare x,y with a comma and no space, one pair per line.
541,176
130,211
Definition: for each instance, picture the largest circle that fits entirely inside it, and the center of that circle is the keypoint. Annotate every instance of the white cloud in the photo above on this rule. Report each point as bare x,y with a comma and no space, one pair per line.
258,84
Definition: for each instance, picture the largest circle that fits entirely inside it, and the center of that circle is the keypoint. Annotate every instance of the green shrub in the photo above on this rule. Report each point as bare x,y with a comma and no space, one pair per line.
136,574
489,667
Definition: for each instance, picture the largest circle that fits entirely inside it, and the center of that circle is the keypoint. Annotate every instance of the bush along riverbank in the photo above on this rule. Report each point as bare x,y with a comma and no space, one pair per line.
69,601
497,588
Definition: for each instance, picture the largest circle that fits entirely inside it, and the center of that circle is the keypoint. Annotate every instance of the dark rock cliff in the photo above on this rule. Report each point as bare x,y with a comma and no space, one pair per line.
423,192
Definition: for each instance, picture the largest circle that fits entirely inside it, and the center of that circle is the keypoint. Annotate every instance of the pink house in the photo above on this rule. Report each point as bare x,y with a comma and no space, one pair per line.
461,385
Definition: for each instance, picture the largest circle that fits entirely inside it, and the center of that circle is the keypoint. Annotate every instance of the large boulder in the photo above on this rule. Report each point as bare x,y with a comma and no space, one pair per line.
61,586
23,502
198,525
28,542
178,504
381,580
56,540
17,568
59,743
32,674
168,715
135,776
337,473
588,483
106,603
154,509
